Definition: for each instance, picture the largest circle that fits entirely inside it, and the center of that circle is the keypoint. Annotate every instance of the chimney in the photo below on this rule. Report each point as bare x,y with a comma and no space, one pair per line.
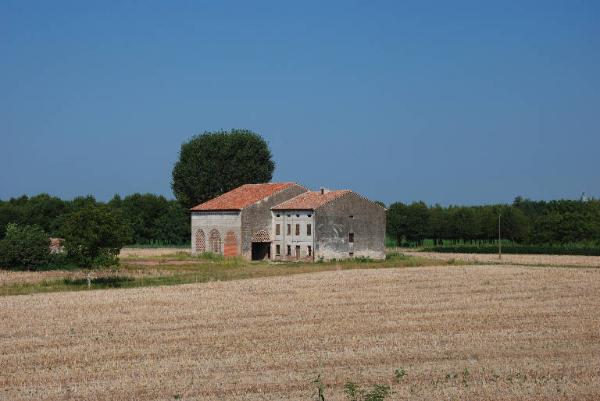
322,191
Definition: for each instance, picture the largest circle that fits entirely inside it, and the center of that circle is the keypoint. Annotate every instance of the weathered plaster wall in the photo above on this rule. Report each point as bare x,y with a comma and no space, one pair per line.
333,225
223,222
258,216
293,217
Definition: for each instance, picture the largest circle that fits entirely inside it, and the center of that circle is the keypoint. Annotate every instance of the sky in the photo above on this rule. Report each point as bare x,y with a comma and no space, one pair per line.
461,102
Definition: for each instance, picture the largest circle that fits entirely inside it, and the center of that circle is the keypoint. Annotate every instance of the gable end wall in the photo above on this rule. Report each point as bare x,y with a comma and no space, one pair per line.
333,224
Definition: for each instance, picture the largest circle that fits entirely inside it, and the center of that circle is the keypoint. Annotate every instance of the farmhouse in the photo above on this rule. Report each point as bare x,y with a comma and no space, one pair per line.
285,221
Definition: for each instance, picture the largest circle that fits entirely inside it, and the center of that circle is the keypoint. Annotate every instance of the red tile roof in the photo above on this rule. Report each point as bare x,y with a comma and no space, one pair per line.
310,200
242,197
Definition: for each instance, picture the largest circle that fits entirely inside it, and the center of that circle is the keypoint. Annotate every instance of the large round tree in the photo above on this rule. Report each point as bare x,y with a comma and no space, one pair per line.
213,163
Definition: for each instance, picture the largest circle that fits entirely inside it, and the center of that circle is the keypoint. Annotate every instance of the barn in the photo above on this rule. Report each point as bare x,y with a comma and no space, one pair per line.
286,221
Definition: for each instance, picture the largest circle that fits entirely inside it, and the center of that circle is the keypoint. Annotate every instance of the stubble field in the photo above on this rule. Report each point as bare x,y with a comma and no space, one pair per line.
472,332
516,259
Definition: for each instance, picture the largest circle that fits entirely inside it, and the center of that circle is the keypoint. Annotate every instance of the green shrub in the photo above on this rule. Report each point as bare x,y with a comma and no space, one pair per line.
24,246
94,236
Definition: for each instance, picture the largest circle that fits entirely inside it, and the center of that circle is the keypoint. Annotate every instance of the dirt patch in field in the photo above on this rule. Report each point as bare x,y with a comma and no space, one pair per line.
474,332
545,260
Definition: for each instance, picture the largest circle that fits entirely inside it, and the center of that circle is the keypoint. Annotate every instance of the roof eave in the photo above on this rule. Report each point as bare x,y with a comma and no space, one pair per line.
215,210
287,209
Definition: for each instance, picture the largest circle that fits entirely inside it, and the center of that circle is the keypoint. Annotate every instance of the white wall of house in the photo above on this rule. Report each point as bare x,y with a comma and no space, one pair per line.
223,223
295,239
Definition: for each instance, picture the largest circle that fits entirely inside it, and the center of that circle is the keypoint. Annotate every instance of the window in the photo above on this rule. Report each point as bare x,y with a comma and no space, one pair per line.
351,253
289,229
277,250
278,214
297,215
289,250
308,229
309,248
297,229
277,229
350,237
310,215
351,216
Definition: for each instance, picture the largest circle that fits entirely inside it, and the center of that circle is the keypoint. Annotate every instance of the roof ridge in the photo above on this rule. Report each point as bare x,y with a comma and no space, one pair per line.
245,195
311,200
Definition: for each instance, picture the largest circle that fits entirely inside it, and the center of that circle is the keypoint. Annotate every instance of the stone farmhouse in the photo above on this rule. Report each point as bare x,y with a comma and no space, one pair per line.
285,221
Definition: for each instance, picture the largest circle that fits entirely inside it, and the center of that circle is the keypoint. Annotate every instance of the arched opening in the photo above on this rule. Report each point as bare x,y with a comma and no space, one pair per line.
261,245
200,241
214,241
230,248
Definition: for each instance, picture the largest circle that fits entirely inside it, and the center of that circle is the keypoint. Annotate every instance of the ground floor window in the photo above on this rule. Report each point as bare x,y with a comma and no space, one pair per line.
309,248
289,250
277,250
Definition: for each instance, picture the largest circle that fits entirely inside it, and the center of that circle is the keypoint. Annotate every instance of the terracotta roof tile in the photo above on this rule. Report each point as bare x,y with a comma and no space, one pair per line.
242,197
310,200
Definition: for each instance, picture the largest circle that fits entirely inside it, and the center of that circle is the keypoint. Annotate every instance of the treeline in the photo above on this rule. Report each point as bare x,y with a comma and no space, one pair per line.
149,218
153,219
523,222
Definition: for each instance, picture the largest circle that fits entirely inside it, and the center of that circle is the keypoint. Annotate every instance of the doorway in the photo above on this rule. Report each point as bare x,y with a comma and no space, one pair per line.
261,250
297,251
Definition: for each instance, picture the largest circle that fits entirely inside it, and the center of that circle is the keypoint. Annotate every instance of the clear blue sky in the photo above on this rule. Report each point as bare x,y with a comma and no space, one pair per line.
452,102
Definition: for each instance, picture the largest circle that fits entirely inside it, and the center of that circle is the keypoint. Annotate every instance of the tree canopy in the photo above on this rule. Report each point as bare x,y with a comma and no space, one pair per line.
524,221
94,236
213,163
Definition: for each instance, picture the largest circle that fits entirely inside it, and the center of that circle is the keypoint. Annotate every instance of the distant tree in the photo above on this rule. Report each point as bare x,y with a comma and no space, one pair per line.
142,212
380,203
216,162
396,221
94,236
417,222
116,202
10,213
43,210
24,246
438,226
174,224
514,224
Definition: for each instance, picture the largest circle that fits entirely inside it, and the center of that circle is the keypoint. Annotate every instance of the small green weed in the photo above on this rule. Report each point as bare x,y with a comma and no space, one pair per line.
399,374
378,393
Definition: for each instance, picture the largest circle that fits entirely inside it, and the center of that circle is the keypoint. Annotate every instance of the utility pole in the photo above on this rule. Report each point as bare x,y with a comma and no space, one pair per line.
499,238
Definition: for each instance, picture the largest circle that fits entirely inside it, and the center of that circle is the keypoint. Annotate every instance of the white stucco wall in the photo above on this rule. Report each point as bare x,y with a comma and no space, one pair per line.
293,217
223,222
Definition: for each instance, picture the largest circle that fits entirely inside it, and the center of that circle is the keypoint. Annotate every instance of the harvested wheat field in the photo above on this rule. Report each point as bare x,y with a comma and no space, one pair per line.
518,259
474,332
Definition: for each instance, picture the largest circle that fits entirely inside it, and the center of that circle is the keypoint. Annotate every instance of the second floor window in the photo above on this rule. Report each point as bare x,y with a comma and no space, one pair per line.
297,229
308,229
351,237
289,229
277,229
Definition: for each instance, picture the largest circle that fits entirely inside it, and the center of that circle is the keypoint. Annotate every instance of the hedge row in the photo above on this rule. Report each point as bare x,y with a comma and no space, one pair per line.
575,249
